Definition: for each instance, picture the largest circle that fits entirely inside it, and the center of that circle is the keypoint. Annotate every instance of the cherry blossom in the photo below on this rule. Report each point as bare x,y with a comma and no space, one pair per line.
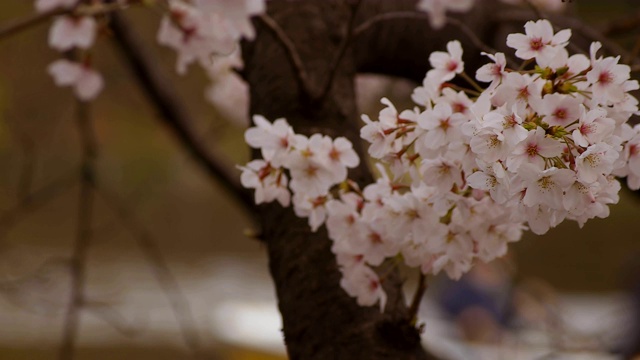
437,9
86,82
228,93
463,175
274,139
607,77
269,183
446,64
237,14
492,72
199,29
558,109
361,282
68,32
539,42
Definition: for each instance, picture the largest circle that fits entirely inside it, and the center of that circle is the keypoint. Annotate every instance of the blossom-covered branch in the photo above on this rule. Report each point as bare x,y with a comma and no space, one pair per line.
471,168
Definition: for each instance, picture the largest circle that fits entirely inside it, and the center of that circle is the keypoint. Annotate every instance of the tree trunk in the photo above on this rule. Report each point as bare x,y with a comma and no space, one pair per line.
320,321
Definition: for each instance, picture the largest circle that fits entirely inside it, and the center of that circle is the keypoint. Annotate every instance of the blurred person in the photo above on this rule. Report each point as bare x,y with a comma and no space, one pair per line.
480,302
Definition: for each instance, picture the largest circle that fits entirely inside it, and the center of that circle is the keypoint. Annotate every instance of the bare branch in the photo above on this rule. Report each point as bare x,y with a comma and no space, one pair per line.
475,40
19,25
83,235
340,54
366,25
32,20
173,112
302,77
34,201
417,298
149,246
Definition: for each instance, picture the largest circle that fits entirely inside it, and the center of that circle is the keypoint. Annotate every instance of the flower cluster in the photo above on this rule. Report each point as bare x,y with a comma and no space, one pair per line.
471,168
70,32
197,30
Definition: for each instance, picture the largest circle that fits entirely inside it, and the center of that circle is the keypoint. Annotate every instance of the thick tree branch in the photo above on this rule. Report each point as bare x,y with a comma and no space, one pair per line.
320,321
417,15
395,39
344,46
301,73
172,111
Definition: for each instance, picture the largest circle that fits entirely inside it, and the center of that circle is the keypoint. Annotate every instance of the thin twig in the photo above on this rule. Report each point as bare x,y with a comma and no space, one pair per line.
302,77
111,316
34,201
19,25
149,246
78,9
535,9
172,110
333,68
475,40
83,235
366,25
417,298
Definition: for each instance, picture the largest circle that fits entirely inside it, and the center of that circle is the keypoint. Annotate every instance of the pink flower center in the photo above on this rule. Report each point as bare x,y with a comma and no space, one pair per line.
334,154
459,107
561,113
509,121
536,44
605,77
452,65
532,150
373,285
311,171
587,129
375,238
523,93
444,124
496,70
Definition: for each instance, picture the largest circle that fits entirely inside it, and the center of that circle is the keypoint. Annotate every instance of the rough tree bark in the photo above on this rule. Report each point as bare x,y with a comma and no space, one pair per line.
320,321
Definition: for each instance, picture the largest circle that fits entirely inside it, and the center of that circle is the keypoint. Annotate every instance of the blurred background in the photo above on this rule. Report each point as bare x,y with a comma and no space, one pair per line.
571,292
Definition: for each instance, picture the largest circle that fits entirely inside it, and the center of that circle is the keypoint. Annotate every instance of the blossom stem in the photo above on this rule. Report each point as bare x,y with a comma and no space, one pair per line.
417,298
460,88
471,82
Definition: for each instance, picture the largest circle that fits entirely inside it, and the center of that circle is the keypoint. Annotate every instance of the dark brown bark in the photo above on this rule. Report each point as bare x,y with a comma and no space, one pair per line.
320,321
